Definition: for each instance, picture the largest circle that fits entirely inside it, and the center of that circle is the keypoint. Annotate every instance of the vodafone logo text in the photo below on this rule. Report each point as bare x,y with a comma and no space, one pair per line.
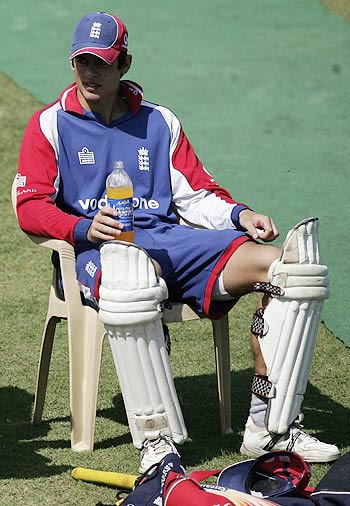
138,202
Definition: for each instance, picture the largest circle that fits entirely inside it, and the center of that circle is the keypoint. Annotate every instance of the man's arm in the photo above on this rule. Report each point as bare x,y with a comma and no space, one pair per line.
37,187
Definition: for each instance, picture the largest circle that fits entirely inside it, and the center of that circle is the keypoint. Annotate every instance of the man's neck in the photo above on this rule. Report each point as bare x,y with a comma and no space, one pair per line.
109,109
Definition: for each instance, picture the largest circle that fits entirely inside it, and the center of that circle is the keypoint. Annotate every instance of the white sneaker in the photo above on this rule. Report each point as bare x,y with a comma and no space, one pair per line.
153,451
257,441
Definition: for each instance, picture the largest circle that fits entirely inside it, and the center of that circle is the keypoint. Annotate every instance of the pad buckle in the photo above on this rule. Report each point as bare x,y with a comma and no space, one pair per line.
258,326
273,290
261,386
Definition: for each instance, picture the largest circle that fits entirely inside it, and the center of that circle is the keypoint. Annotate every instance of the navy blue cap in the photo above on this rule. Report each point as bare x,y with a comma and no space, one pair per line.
100,34
273,474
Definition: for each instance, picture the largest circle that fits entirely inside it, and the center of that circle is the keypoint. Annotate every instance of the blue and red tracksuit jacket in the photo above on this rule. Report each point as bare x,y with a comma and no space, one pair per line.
67,154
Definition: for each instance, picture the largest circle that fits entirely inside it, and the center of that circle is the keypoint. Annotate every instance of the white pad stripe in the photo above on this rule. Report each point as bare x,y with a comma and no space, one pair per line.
134,295
123,307
291,322
299,270
306,293
302,281
125,319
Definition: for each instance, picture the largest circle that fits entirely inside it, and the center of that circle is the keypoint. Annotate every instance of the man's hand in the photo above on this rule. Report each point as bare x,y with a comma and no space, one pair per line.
258,226
104,227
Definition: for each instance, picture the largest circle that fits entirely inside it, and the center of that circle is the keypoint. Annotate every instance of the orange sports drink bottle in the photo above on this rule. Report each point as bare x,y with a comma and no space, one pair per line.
119,190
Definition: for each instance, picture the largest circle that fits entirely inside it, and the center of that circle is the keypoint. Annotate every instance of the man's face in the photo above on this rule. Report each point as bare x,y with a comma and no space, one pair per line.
97,81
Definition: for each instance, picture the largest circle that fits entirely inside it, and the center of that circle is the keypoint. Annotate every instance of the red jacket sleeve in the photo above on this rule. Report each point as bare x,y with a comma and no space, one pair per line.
37,186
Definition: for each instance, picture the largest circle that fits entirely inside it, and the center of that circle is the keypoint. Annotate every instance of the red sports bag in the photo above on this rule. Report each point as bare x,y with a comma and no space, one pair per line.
180,490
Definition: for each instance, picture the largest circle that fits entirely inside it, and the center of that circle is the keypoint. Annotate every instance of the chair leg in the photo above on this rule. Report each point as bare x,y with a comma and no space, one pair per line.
85,352
223,371
43,368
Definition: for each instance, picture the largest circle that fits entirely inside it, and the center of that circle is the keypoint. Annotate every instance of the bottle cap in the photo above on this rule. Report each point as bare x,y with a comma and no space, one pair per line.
119,165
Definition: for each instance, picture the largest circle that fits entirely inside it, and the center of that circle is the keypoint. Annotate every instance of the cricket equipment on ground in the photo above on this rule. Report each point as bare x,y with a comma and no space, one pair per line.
131,298
108,478
275,474
154,451
258,482
180,491
258,440
287,328
167,484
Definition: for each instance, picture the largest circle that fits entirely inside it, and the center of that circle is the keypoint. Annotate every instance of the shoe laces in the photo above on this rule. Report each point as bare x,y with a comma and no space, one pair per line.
296,433
159,445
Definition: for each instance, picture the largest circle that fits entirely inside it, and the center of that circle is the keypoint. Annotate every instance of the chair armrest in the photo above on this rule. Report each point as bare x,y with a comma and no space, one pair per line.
53,244
47,242
179,312
66,256
67,263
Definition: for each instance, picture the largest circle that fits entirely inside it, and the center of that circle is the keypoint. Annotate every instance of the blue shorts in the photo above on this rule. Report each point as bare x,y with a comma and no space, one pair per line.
191,260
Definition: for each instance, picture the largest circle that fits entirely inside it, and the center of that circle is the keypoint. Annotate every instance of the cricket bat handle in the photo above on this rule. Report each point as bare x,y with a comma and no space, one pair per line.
111,479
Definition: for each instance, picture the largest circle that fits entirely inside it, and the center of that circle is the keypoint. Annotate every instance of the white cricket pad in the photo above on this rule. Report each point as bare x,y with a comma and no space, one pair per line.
290,323
131,298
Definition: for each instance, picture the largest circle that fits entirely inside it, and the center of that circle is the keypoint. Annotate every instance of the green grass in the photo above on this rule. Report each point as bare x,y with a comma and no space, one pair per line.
35,463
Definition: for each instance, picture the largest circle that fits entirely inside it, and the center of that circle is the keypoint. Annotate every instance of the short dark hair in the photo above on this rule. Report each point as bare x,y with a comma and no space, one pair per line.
121,59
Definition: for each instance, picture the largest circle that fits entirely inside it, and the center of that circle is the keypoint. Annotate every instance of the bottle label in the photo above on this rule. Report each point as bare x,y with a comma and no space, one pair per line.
125,210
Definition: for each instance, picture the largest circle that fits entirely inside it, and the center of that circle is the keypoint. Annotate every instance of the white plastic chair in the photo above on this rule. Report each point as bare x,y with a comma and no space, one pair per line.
85,340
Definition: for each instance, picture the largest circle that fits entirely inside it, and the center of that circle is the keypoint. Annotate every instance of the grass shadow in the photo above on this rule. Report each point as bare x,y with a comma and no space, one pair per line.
21,443
324,418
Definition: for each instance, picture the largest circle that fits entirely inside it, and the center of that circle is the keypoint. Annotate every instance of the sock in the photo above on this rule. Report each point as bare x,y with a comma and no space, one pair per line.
258,407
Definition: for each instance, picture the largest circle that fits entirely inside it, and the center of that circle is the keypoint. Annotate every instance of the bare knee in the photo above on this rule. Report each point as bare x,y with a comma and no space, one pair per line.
157,267
248,265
